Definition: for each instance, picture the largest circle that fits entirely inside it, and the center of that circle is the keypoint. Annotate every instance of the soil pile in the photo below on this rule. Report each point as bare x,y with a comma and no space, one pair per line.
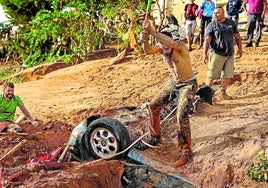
226,135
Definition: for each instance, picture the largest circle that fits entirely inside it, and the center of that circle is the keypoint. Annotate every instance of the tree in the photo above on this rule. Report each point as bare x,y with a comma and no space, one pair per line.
22,11
56,30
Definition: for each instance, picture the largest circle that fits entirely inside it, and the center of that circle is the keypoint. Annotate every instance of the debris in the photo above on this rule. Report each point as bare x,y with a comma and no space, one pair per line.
18,120
63,153
20,134
13,150
15,175
166,172
53,156
147,176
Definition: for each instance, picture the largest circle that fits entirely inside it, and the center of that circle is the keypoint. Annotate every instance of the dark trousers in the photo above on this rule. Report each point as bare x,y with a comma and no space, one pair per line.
203,24
255,22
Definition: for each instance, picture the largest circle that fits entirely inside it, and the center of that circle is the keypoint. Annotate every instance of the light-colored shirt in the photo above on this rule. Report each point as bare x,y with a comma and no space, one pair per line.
208,8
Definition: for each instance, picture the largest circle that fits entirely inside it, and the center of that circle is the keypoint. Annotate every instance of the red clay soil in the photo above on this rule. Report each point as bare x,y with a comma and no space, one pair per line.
227,135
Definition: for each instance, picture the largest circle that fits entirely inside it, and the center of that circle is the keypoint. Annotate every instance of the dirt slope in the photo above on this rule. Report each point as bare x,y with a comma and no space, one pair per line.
226,136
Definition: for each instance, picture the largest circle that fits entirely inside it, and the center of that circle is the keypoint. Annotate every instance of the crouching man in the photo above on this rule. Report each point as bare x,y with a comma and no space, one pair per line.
8,105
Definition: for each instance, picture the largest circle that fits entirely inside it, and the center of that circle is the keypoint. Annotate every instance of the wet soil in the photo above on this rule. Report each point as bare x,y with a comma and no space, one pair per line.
227,135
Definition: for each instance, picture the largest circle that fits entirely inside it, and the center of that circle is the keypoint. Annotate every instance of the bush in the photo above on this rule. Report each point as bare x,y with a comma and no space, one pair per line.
259,169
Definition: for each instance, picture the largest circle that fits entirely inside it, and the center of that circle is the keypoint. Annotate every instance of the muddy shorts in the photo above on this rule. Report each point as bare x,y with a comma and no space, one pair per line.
220,66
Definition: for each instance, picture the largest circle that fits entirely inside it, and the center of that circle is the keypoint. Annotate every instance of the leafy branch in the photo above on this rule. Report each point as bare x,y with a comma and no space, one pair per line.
259,169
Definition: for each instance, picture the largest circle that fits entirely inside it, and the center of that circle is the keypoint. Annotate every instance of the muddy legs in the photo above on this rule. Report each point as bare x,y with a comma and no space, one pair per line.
184,143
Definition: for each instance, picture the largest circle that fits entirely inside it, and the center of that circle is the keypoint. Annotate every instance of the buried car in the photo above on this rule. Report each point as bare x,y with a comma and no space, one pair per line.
120,133
107,134
112,132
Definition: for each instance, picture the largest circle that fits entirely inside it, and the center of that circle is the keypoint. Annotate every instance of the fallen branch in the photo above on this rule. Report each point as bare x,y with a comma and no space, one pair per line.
63,153
21,134
14,149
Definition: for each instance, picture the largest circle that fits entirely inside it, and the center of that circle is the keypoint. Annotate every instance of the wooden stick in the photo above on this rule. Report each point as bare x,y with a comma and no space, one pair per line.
14,149
20,134
18,120
63,153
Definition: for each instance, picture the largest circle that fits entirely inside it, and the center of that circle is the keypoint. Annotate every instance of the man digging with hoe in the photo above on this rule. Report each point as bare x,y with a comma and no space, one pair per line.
183,85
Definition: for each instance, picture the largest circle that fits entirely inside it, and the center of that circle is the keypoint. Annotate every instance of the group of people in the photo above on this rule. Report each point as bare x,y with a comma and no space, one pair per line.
218,37
219,34
191,11
254,9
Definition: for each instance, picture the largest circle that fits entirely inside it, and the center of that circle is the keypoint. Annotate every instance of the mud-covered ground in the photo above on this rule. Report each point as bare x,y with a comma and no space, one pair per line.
227,136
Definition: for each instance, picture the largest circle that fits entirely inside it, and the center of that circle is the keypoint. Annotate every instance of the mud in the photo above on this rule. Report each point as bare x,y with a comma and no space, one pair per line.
226,135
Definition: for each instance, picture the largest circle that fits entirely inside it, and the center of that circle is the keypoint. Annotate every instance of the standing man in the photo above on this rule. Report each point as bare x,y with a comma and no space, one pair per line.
219,37
256,12
8,105
190,10
183,84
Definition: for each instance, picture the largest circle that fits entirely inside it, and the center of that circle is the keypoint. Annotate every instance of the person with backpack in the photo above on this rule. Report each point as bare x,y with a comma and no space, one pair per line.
8,105
233,8
256,12
190,10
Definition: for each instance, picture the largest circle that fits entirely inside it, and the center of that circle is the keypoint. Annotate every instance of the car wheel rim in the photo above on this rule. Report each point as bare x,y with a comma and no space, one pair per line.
103,143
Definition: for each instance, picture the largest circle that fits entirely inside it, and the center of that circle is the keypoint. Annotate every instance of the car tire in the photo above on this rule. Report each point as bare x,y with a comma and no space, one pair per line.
105,137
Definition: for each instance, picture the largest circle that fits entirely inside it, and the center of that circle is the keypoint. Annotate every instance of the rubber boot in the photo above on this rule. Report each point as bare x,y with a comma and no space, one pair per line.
185,154
184,144
154,140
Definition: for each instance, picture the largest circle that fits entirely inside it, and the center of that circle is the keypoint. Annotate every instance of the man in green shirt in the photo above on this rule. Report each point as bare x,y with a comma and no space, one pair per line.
8,106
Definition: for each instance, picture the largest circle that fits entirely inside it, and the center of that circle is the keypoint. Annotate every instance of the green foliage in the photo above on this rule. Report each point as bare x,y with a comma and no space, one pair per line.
259,169
56,30
16,80
54,36
21,11
7,70
4,73
4,28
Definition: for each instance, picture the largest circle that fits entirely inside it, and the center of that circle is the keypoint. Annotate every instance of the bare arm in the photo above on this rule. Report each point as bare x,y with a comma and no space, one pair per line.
147,48
239,44
264,9
207,42
27,114
167,40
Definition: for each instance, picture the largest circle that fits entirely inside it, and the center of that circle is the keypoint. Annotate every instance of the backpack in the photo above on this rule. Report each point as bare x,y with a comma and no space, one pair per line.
191,10
233,7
